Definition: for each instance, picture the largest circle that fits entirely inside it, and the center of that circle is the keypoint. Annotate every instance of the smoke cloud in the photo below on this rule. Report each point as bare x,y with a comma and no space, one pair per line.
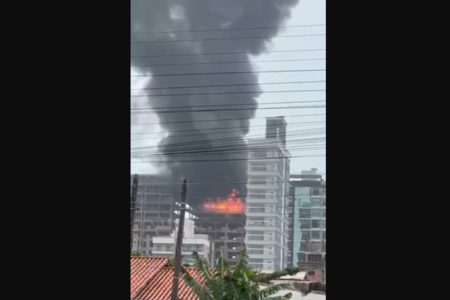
176,32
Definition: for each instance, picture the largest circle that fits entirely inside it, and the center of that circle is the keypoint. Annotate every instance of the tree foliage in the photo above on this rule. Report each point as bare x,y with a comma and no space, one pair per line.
238,282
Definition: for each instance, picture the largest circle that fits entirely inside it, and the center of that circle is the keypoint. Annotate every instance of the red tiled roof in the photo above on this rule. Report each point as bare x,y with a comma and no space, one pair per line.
160,287
151,279
142,270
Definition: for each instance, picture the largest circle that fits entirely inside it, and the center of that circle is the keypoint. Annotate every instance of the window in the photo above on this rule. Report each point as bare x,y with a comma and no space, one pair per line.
259,154
315,246
255,251
317,224
306,235
165,207
256,209
257,182
305,213
258,169
255,237
256,191
317,202
151,206
254,247
301,257
305,224
257,196
317,258
317,213
316,191
315,235
303,246
255,232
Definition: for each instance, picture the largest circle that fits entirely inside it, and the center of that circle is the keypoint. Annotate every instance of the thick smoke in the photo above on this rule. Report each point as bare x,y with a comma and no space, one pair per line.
219,144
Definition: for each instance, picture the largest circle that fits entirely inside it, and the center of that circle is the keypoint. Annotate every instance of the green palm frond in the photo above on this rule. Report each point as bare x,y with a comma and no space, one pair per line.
266,278
235,283
270,290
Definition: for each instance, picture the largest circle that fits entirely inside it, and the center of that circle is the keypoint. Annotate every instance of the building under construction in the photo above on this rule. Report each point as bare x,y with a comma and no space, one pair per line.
156,210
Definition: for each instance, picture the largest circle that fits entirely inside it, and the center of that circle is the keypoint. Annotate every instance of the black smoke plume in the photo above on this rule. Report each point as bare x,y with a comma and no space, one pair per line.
177,32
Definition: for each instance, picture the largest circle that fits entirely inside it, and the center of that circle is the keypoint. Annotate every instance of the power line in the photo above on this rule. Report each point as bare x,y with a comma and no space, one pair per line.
237,150
232,84
218,142
199,144
237,159
229,38
230,29
230,142
138,110
221,182
231,127
232,105
225,53
219,152
233,62
228,93
228,119
202,145
183,134
228,72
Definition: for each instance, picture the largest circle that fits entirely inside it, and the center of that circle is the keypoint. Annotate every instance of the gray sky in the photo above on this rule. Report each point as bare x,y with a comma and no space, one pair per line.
306,12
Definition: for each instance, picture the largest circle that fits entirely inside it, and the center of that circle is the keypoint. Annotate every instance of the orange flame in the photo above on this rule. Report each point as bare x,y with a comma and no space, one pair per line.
230,205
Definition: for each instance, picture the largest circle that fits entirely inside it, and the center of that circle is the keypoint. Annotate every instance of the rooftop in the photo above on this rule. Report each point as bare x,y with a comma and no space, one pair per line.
151,279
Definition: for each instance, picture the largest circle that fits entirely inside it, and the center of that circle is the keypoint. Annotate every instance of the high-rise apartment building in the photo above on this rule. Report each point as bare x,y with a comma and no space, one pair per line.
308,220
268,198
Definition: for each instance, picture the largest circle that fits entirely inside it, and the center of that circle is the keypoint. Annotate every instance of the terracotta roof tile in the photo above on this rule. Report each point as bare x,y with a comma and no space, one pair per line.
160,286
143,269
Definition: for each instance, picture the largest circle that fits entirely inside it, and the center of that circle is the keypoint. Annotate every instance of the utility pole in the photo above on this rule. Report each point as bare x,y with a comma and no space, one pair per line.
133,207
176,275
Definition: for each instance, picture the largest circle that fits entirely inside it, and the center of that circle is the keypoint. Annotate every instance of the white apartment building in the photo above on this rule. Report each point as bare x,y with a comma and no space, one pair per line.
165,245
267,198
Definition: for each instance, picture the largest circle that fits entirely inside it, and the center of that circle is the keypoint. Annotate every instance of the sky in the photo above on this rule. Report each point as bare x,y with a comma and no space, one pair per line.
307,12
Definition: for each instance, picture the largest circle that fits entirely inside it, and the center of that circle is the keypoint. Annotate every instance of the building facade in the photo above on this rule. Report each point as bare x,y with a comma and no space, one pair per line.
155,216
154,212
308,221
200,243
268,199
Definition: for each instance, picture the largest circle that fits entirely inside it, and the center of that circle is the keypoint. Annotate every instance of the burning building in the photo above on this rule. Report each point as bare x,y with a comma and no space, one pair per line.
177,44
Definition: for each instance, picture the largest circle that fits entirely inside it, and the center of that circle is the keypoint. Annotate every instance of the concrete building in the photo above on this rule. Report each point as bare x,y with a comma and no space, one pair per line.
226,232
165,245
155,204
154,217
267,198
308,221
